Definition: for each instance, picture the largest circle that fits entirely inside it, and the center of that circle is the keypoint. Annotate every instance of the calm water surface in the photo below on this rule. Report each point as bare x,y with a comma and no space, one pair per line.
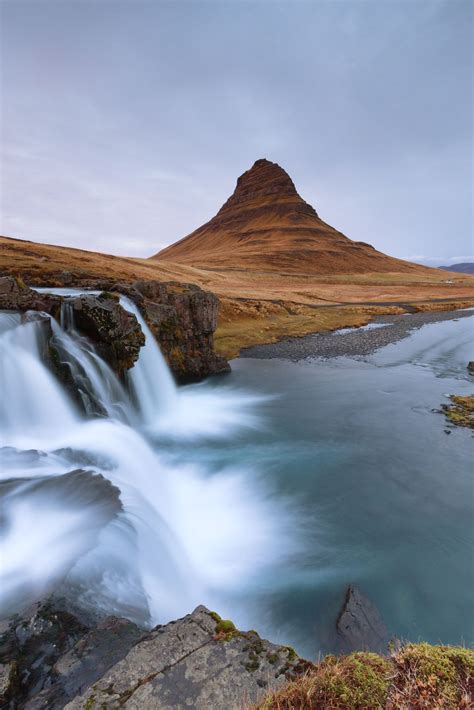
384,497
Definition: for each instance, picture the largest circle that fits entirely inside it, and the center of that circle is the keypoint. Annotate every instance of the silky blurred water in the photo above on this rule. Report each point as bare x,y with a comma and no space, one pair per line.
261,494
386,495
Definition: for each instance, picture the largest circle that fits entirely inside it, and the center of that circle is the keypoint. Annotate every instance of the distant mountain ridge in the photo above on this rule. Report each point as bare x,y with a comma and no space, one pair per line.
266,226
464,267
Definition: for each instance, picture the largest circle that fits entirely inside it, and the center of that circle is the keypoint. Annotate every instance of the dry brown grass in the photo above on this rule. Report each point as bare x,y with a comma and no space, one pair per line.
417,677
257,306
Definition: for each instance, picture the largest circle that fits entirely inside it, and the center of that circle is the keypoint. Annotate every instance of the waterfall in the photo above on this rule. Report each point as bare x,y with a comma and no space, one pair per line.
96,384
151,379
30,399
123,522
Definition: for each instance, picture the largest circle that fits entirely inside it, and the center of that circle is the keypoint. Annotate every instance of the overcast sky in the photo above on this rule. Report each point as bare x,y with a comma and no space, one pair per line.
126,124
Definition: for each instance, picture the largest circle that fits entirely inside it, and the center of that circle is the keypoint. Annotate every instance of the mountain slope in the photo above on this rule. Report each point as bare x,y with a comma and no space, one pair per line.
464,267
266,226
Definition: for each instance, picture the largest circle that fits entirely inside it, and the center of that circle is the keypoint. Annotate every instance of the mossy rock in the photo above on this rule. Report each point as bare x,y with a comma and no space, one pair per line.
461,412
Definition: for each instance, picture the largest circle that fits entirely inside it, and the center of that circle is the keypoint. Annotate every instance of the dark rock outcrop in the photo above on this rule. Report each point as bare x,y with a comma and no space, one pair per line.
470,367
54,659
115,333
16,296
182,317
49,654
360,626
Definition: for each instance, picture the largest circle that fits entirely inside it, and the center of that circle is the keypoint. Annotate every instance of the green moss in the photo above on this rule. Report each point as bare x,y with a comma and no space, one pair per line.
416,676
359,682
225,626
441,675
461,412
215,616
252,665
90,703
292,655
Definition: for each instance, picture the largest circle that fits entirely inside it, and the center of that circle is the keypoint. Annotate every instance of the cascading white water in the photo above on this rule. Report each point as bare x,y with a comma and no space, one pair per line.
121,522
96,384
151,379
30,399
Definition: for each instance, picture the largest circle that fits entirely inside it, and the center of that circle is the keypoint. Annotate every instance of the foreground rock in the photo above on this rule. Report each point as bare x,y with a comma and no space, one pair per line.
48,655
360,626
182,317
54,659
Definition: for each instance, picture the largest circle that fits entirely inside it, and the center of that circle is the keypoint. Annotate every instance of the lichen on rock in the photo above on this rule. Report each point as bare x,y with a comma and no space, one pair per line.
461,411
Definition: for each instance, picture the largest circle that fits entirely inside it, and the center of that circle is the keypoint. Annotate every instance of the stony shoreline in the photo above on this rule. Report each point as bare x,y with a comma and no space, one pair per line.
351,342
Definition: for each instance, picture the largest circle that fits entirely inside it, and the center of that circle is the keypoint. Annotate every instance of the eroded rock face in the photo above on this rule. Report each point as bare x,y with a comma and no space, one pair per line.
115,333
16,296
54,659
49,654
187,663
183,318
360,626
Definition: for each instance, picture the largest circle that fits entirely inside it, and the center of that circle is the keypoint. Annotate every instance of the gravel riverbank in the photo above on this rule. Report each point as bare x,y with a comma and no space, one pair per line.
352,342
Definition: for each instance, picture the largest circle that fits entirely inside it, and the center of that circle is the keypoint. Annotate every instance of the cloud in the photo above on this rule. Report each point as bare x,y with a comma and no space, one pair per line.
127,124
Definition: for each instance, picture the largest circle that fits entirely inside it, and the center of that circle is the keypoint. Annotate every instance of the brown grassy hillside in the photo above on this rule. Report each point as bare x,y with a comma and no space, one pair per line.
257,306
266,226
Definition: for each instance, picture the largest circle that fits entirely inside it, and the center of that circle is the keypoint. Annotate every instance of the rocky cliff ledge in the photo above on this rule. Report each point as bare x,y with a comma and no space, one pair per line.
54,657
182,317
51,658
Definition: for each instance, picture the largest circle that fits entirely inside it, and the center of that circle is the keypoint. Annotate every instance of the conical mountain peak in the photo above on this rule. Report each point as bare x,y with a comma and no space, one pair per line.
266,226
263,180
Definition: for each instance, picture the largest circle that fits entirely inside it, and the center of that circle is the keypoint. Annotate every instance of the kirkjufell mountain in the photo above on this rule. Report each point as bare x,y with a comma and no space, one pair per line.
266,226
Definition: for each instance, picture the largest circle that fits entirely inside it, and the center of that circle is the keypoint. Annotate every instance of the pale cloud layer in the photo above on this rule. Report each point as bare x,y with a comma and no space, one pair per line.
126,124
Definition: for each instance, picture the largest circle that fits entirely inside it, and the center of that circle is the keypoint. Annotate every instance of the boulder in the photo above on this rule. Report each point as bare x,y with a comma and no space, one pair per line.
115,333
48,654
360,626
53,658
16,296
196,662
470,367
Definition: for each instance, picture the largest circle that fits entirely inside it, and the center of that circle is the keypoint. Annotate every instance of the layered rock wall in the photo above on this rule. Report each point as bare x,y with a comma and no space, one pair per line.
182,317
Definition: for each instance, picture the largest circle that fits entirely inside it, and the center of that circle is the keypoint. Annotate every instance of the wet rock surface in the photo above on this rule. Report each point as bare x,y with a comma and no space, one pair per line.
49,654
182,317
353,342
115,333
16,296
360,626
54,659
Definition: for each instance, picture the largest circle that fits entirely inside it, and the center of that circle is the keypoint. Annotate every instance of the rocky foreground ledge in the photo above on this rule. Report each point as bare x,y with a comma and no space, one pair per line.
182,317
52,658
